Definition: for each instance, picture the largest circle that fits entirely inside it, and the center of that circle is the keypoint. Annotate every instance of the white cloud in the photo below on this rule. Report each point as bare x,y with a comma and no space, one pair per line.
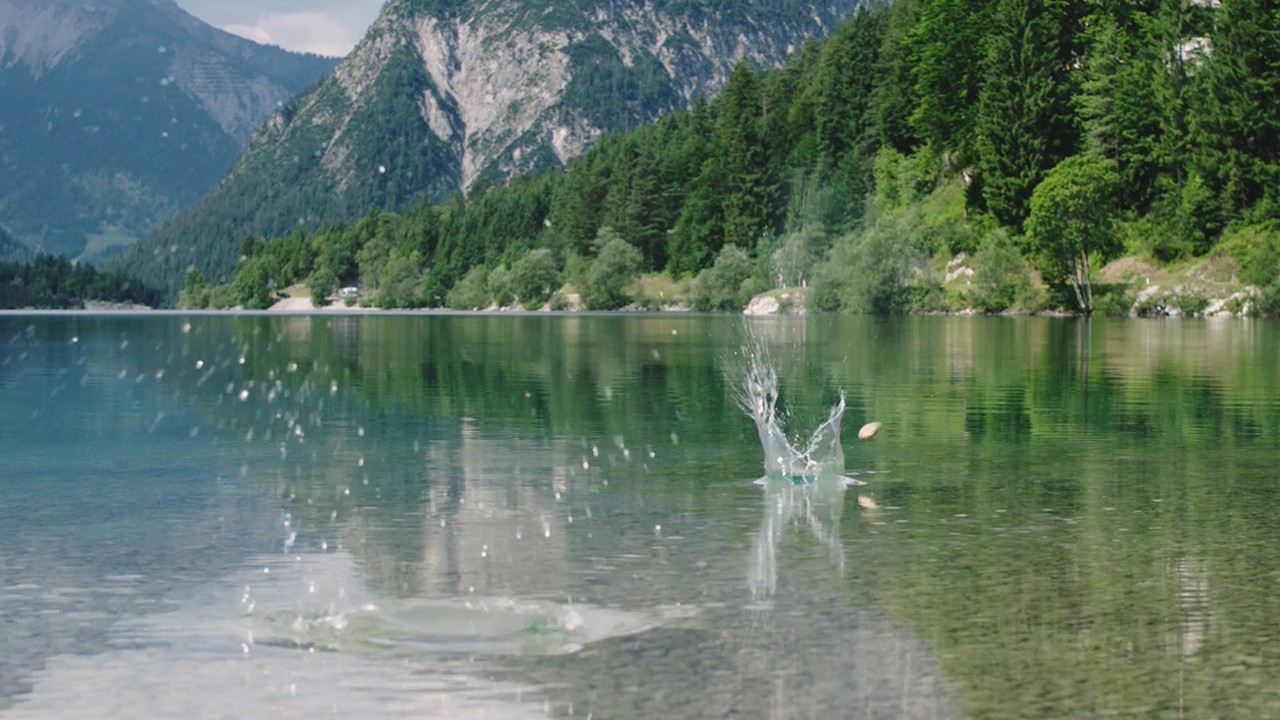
302,32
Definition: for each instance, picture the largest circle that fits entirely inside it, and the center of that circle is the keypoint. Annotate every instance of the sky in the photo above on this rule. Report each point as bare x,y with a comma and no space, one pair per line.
325,27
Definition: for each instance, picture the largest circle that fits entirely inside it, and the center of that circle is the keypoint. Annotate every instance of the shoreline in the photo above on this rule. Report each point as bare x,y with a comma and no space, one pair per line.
358,311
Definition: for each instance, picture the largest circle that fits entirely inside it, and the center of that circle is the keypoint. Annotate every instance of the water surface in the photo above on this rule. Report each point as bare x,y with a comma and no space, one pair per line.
496,516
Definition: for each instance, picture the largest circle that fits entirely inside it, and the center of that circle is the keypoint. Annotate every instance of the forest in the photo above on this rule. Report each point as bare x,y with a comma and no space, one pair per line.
1034,139
51,282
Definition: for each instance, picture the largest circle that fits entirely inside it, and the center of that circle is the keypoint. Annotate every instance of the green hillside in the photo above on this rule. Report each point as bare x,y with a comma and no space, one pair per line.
448,97
1030,136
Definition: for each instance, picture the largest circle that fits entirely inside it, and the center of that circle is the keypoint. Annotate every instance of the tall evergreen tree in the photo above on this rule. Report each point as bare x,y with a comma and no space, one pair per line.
1119,104
741,152
894,98
1239,122
1025,121
846,86
945,47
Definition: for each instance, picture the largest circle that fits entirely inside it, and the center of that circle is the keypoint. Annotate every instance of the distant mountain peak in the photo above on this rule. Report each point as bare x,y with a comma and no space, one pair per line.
118,113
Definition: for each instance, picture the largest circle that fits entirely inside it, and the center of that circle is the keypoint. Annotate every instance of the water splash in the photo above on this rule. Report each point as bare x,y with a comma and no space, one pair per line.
822,455
805,485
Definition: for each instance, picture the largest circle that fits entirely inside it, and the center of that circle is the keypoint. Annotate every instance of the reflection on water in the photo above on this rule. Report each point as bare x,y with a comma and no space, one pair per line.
818,503
535,516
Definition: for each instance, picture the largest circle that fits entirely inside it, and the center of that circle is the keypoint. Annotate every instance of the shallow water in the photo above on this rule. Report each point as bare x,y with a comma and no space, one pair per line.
496,516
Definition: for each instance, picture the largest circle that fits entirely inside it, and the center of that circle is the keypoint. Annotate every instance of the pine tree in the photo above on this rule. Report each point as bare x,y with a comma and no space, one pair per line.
945,46
1025,120
1239,120
1119,106
742,157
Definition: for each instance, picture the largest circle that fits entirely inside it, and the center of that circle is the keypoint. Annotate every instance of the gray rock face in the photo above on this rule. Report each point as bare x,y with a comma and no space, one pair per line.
499,74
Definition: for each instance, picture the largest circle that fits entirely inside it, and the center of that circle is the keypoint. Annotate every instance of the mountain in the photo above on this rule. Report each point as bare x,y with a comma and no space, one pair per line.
10,248
443,95
117,113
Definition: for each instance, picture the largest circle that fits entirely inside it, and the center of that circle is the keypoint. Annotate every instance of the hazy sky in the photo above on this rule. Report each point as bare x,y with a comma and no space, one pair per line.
327,27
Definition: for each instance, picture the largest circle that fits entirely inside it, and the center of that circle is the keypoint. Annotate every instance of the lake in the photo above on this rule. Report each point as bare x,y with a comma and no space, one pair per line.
448,516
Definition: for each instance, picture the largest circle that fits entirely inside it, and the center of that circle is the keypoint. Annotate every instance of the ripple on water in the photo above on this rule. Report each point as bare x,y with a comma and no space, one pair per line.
308,639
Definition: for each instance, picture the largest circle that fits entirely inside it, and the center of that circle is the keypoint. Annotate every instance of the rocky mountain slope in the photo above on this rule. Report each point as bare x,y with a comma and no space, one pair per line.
442,95
117,113
11,249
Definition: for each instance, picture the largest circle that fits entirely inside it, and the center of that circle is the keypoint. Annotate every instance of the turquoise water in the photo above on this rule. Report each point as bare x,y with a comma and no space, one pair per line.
545,516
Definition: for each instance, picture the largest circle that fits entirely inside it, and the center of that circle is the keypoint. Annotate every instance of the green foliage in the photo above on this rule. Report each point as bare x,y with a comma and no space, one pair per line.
323,284
534,277
1071,223
798,252
1000,276
726,285
1182,220
1256,248
499,286
472,291
870,272
615,266
1025,121
1238,114
254,286
54,282
196,293
398,280
559,302
915,132
944,48
614,94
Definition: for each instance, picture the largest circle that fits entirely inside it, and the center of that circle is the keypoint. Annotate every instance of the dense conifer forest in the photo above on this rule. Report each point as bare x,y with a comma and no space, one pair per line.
50,282
1040,138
